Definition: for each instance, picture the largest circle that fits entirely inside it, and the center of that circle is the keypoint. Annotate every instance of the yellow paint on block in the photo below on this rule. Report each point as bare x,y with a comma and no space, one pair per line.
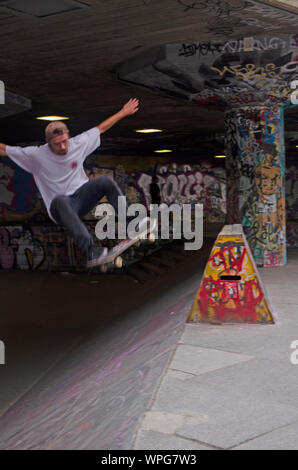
231,289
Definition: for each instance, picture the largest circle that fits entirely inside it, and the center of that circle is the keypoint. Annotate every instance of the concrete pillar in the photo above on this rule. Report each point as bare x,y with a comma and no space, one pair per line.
255,163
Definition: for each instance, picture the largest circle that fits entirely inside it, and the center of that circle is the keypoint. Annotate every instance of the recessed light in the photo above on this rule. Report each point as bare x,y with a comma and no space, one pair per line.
163,151
52,118
148,131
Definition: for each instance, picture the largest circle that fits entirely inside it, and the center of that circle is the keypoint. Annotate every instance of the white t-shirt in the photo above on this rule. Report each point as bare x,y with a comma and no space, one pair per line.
57,175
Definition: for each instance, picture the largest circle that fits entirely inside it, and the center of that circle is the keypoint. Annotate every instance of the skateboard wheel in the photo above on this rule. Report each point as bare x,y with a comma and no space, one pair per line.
151,237
103,268
118,262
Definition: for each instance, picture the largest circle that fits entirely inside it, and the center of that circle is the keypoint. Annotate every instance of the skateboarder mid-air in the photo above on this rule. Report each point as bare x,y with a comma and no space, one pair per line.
57,168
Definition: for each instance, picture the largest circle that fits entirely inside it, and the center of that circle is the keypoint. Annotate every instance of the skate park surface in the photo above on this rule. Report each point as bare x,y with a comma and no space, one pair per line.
103,361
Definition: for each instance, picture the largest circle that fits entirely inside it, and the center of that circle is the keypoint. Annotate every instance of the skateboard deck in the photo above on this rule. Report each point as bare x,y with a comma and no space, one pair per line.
113,257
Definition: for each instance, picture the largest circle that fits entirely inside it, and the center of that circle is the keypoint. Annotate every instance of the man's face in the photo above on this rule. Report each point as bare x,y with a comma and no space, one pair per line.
269,158
59,144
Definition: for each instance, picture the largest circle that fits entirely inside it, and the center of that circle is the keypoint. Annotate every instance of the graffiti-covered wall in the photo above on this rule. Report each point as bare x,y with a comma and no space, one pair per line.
43,247
179,183
30,240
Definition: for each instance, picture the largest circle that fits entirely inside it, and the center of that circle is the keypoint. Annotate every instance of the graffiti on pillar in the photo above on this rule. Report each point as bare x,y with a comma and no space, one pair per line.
255,172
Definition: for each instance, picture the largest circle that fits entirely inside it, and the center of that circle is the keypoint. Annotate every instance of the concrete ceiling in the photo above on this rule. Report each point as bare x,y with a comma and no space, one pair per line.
66,64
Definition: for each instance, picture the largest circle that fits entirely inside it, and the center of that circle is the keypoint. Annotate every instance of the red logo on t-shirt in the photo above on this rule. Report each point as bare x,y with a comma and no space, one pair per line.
74,165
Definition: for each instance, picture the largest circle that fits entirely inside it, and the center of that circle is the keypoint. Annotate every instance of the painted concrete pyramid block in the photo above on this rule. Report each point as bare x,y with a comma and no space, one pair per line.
231,289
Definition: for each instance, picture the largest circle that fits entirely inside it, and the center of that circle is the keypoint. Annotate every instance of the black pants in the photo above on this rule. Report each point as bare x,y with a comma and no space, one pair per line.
67,210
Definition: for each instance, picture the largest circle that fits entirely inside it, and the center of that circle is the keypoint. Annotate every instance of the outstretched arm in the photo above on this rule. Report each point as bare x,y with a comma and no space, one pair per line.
129,108
3,150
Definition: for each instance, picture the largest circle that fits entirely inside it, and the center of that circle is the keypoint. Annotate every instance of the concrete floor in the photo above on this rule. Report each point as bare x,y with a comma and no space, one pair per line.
232,386
84,353
103,362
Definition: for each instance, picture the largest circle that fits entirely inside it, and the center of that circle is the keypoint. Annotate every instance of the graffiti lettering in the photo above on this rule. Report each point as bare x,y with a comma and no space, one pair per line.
221,7
187,187
202,48
258,45
251,72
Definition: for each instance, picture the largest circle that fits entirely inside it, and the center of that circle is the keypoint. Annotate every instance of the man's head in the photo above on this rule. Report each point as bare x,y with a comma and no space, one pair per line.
270,152
57,135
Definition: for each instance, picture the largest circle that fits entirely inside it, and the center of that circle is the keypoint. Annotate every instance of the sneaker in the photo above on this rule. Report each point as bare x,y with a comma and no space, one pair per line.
95,255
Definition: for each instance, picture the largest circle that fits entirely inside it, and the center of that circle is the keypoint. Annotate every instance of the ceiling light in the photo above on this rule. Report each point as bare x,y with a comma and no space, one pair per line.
148,131
163,151
219,156
52,118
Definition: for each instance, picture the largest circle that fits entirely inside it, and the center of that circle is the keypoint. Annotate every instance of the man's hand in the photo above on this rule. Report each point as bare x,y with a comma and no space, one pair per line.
3,150
131,107
128,109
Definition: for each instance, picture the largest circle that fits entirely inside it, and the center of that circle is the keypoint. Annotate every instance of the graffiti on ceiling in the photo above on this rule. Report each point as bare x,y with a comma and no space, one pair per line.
236,72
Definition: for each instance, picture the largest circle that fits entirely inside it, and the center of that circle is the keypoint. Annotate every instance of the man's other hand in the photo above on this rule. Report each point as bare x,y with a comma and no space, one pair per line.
130,107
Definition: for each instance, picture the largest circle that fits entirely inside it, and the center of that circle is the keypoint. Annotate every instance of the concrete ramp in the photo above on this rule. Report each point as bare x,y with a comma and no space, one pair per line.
95,397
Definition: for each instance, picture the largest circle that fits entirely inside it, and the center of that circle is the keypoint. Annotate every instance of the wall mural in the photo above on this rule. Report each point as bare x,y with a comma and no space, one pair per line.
32,241
256,172
250,78
39,244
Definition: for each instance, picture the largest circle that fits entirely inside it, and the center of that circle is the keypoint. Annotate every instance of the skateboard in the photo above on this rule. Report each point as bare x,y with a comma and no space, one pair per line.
113,257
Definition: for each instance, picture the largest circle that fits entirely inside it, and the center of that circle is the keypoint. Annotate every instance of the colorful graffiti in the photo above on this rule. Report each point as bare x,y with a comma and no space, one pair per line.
178,183
231,290
256,173
19,249
42,247
18,193
253,194
222,73
40,244
190,185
